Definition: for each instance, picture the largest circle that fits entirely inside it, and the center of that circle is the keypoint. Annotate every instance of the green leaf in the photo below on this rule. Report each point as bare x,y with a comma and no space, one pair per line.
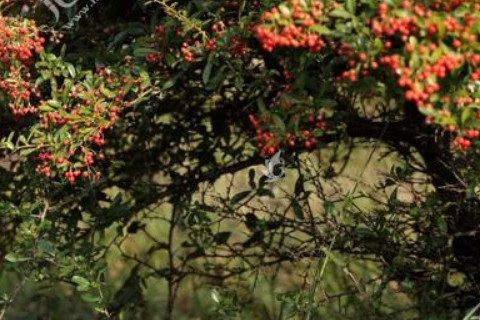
442,224
278,122
440,26
318,133
297,210
170,82
145,77
466,113
109,94
414,60
63,134
54,104
90,298
377,45
45,108
215,296
320,29
22,140
46,247
217,79
329,207
299,188
328,103
351,6
135,30
71,70
239,197
208,70
9,145
142,52
340,13
26,152
261,106
170,59
81,281
12,257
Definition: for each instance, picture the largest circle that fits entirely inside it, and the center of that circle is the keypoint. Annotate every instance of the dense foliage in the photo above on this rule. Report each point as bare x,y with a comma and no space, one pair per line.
133,140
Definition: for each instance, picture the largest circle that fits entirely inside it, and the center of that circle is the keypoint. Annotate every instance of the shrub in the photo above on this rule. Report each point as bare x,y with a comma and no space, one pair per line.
132,145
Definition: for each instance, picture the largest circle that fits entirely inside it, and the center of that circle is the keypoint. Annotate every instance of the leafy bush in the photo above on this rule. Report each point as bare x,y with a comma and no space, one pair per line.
133,139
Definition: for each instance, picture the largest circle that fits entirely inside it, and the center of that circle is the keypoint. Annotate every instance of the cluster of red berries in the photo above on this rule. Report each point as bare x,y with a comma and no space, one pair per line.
464,138
88,173
298,34
84,116
235,45
218,28
71,176
44,167
269,142
153,58
415,30
191,47
235,4
188,51
462,143
450,4
19,89
47,160
20,41
211,45
408,32
160,31
238,47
